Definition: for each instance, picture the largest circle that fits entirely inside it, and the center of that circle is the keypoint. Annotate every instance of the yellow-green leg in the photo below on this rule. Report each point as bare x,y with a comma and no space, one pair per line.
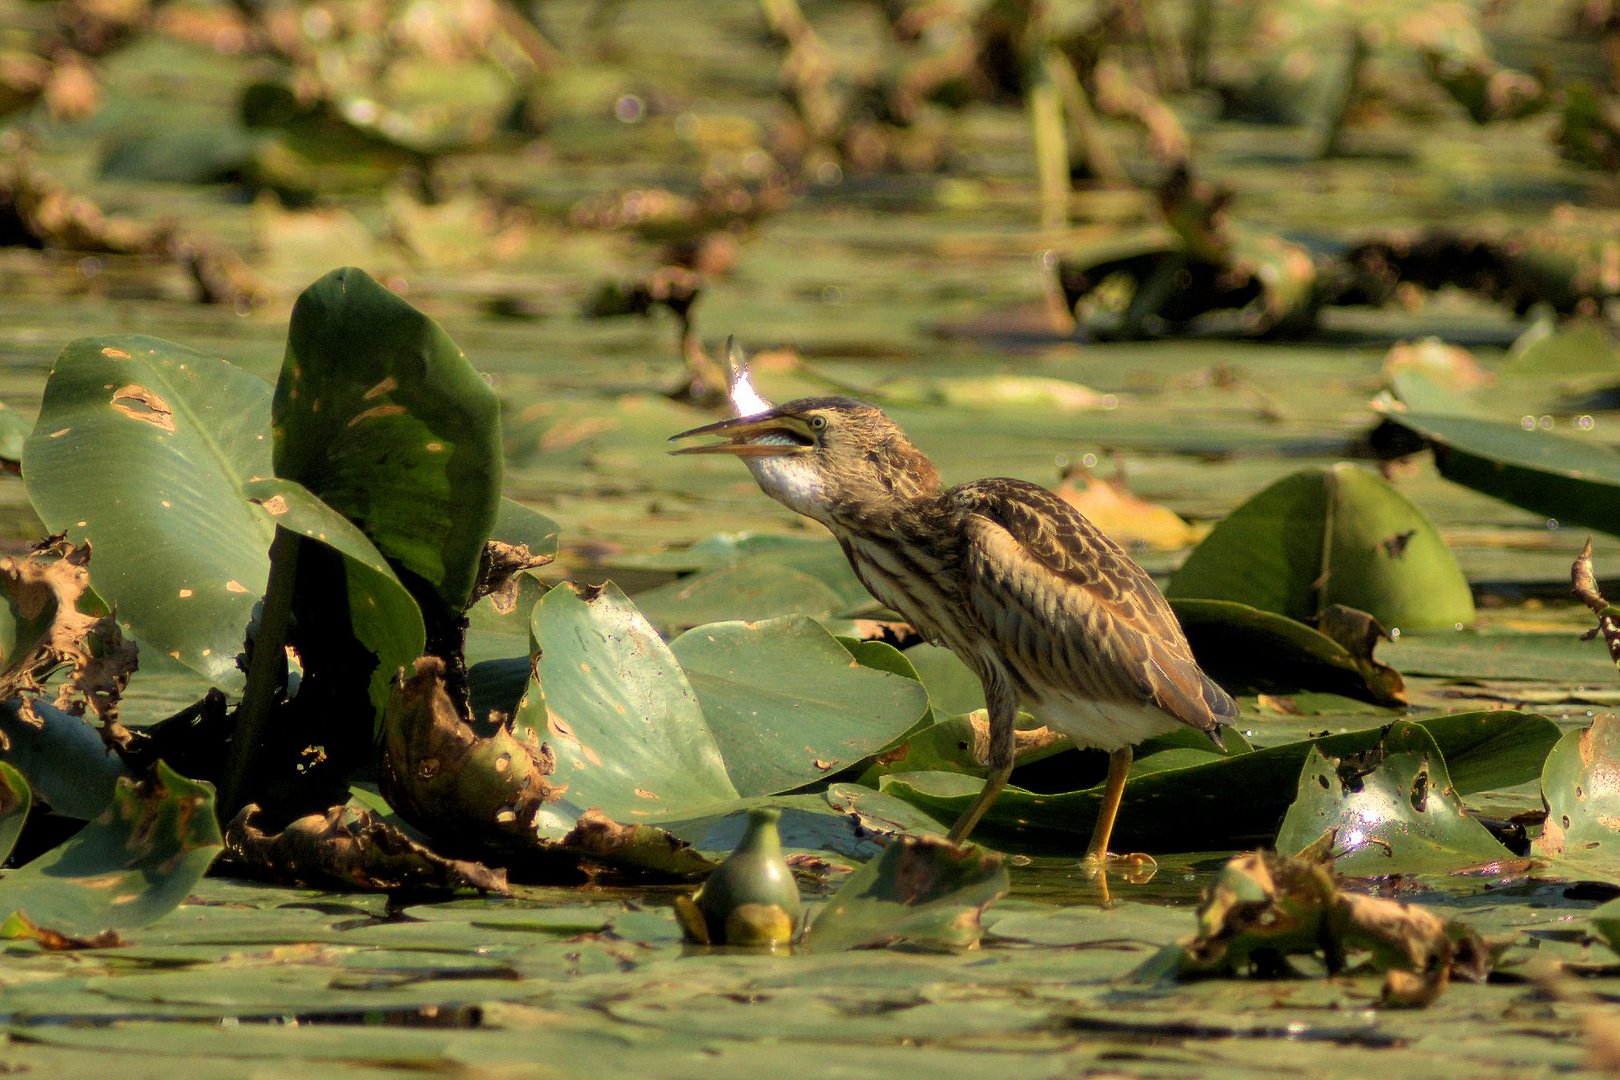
1003,712
1119,767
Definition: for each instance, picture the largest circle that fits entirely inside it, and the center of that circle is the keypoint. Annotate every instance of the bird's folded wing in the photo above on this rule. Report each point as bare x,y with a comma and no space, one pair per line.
1066,605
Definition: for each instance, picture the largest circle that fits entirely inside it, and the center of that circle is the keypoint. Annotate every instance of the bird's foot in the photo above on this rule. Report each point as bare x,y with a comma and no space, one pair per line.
1133,869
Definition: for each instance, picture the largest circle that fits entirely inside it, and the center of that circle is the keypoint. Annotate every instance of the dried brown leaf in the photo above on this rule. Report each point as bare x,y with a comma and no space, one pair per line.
347,847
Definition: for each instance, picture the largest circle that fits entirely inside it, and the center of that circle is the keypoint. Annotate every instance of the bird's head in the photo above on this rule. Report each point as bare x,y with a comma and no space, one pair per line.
829,458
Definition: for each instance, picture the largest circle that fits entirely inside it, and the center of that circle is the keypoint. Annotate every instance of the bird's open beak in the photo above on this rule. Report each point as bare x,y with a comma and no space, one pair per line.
767,434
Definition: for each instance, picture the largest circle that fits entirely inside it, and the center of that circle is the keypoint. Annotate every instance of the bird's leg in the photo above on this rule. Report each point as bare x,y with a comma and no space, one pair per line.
1119,766
1003,710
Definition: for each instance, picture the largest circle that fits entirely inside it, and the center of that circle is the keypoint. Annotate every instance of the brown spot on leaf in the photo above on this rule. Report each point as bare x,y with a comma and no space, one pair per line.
275,505
375,412
643,793
114,354
235,586
388,385
139,403
1395,545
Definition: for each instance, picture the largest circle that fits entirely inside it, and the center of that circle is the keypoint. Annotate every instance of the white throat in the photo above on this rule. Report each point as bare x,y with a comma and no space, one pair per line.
793,482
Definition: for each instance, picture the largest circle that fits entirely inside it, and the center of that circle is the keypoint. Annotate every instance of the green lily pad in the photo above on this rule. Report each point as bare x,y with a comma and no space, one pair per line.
1248,650
612,703
129,867
788,705
15,801
379,414
922,891
181,553
1401,817
1191,807
752,590
1580,784
1323,536
1572,481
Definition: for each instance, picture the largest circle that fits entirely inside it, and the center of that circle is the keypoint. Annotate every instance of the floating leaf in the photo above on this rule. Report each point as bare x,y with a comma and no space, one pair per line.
130,866
1580,783
1247,650
922,891
788,705
614,708
1322,536
1391,812
1572,481
753,591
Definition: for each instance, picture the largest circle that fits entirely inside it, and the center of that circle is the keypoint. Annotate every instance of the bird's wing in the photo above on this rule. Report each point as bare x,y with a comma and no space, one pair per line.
1067,606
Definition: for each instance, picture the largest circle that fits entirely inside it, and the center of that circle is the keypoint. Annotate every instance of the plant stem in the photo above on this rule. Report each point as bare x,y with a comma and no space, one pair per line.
1051,146
267,673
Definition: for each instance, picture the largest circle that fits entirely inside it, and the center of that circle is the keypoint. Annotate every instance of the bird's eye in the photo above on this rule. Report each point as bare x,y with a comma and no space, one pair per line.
817,423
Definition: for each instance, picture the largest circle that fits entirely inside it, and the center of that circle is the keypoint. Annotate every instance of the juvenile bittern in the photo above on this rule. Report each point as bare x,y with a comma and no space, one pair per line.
1046,610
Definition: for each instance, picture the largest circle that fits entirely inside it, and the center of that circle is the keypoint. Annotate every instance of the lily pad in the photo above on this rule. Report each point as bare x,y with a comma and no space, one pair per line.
1581,786
1191,807
788,705
922,891
1323,536
1400,816
1571,481
129,867
614,707
1248,650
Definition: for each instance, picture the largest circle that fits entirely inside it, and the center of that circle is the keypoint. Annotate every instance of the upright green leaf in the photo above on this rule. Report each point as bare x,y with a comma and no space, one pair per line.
1337,535
144,448
380,610
15,801
379,414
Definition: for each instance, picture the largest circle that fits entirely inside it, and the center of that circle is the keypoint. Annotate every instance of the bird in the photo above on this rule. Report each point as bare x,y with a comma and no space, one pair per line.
1047,611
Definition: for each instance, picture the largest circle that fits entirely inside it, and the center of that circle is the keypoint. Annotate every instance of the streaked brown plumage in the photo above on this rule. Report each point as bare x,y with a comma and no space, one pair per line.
1045,609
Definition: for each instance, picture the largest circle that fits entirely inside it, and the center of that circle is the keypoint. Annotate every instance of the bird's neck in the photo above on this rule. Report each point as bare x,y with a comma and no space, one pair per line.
906,491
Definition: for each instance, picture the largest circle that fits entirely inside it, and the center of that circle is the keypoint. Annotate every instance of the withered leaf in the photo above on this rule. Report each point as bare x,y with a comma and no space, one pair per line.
347,847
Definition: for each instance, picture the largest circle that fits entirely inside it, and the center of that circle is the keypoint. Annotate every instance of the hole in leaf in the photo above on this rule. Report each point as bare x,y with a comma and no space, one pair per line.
1420,790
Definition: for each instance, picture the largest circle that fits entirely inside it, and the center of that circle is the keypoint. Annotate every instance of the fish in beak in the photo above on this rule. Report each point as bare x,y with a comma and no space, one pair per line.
759,430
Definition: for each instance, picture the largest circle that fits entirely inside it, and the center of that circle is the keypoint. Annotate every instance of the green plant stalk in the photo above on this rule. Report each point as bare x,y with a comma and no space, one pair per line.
1051,146
1333,123
267,672
1083,126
